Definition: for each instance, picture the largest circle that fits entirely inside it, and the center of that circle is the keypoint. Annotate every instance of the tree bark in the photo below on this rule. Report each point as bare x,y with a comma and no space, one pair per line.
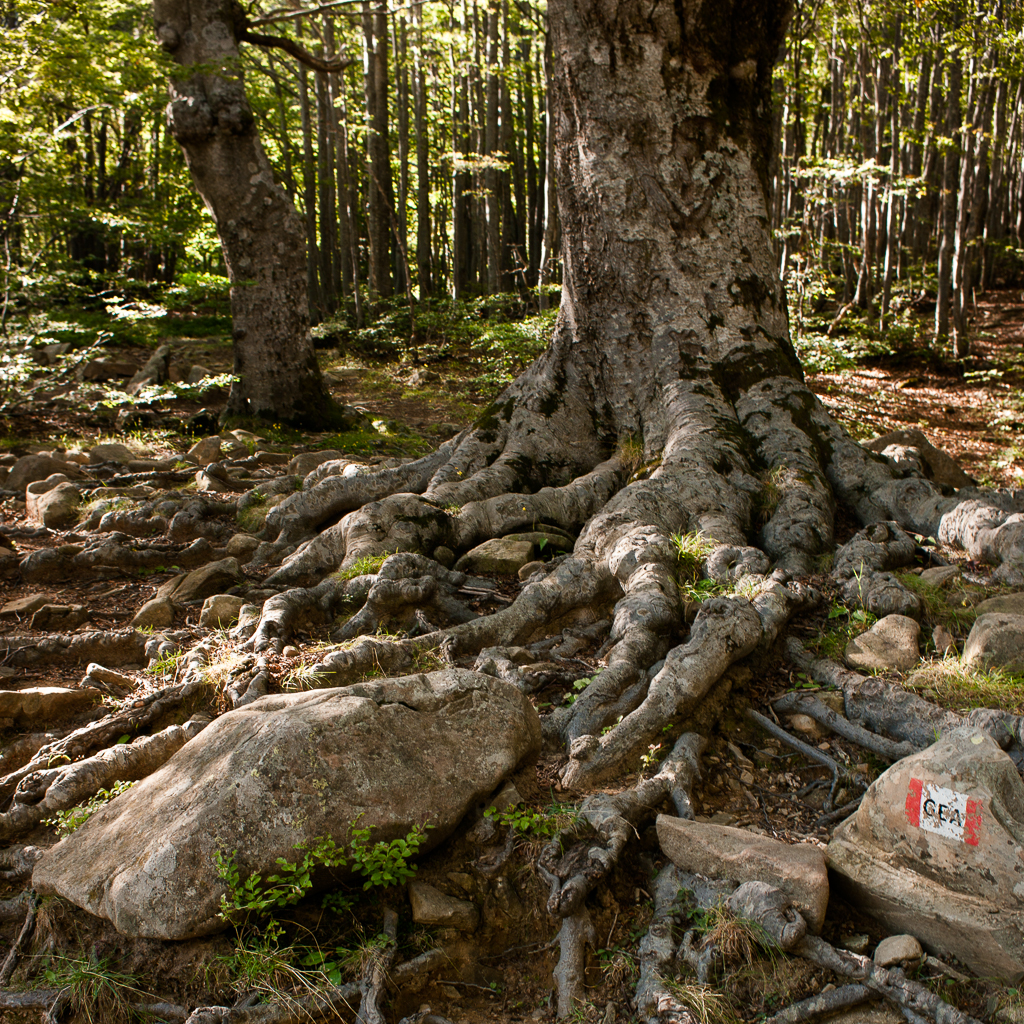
261,234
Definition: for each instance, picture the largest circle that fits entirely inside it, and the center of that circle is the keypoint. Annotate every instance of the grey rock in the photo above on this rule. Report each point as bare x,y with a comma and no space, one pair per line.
996,640
430,906
43,703
242,546
498,555
935,850
306,462
156,612
898,949
220,610
1011,604
389,755
197,374
203,452
59,617
112,452
25,605
891,643
106,369
716,851
942,638
210,579
55,507
940,575
30,468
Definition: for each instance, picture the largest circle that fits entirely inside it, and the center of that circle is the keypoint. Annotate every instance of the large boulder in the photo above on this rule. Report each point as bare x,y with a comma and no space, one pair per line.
384,755
936,850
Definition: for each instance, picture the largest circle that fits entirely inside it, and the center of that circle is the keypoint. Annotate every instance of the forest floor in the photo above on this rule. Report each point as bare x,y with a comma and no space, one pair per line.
974,411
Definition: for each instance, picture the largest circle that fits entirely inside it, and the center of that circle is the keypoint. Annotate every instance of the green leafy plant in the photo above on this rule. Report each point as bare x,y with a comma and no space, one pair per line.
386,863
65,822
365,566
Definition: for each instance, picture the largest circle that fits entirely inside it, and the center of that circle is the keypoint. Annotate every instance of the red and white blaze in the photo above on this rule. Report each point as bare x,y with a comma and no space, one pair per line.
944,812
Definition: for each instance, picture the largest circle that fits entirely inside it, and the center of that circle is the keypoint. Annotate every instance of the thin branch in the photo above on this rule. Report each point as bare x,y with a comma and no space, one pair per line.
291,47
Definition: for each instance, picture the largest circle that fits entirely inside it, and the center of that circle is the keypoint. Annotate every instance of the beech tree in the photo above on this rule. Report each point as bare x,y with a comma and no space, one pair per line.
261,233
669,396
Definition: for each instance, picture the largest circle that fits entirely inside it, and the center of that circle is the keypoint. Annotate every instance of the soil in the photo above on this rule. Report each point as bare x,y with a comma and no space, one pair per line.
750,780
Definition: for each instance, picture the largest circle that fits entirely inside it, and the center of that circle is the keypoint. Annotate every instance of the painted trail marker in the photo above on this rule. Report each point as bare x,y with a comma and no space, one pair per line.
944,812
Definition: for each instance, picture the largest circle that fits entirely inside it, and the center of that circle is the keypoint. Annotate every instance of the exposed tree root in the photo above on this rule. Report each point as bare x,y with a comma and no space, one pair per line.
899,712
655,1001
807,704
840,777
375,974
11,960
823,1004
17,862
44,792
890,982
576,933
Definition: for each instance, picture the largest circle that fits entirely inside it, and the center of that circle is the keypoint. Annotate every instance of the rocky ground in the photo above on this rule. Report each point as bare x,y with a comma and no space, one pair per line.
117,542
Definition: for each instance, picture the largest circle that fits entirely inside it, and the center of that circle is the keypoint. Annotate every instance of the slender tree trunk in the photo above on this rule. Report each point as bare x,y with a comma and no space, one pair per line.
424,275
260,231
950,175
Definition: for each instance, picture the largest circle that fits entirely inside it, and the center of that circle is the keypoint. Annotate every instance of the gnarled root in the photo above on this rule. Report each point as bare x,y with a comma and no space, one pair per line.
576,933
43,793
17,862
375,975
655,1001
890,982
824,1004
11,961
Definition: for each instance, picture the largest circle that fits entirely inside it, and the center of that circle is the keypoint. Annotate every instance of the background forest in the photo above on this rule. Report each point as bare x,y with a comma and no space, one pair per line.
424,170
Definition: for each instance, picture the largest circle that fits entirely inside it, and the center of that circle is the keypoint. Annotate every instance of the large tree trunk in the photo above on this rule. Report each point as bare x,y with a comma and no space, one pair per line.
261,233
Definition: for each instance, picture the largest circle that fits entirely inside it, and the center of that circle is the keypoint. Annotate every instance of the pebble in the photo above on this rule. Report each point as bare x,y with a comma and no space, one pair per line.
290,652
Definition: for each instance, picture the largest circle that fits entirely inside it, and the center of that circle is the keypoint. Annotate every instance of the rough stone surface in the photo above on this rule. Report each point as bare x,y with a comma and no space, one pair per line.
59,618
40,703
808,727
499,555
896,949
308,461
25,605
30,468
1010,604
430,906
892,642
112,452
940,575
220,610
242,546
388,754
156,612
203,452
996,640
942,638
55,507
210,579
718,851
957,884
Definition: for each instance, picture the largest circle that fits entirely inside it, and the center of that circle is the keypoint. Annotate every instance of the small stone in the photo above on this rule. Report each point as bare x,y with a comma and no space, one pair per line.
807,726
746,778
213,578
857,943
430,906
157,612
242,546
497,555
197,374
290,652
530,568
942,639
25,605
112,452
55,507
220,610
1011,604
445,556
898,949
204,452
940,574
304,463
891,643
30,468
59,617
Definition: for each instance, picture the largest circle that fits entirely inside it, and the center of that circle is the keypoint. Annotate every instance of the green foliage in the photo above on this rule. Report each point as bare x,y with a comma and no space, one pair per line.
843,624
289,884
365,566
534,822
383,863
65,822
692,549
